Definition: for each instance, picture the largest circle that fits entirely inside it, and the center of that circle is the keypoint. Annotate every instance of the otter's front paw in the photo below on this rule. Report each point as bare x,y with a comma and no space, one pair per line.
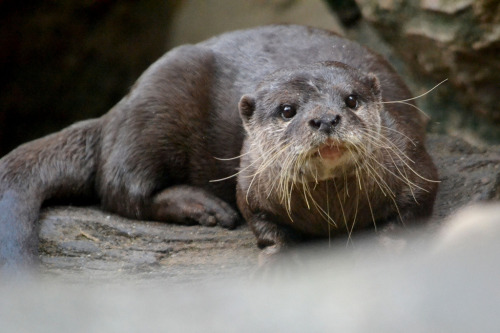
191,205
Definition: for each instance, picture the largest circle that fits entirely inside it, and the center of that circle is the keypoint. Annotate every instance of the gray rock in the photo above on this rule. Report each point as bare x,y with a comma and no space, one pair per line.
438,39
88,241
447,282
468,174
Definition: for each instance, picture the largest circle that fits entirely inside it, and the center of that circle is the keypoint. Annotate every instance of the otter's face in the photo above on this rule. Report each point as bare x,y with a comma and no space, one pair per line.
309,122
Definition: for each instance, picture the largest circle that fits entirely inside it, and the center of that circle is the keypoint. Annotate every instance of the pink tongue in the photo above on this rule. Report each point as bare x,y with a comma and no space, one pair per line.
330,152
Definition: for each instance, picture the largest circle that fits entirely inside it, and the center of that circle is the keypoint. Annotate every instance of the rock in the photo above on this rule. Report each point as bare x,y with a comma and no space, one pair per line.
444,283
86,243
438,39
468,174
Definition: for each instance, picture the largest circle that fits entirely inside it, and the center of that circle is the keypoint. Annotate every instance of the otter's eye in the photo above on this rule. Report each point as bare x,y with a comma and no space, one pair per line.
287,111
351,101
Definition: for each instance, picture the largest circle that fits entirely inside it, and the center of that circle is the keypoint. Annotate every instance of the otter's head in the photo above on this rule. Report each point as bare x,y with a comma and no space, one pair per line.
305,123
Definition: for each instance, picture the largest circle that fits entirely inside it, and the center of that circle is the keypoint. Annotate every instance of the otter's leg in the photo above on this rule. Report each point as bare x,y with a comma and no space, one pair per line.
186,204
272,238
150,139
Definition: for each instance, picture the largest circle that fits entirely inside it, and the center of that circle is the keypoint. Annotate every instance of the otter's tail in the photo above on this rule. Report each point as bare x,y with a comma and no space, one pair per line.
56,166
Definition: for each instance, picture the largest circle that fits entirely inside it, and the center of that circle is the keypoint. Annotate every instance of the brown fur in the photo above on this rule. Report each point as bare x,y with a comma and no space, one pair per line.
156,154
287,193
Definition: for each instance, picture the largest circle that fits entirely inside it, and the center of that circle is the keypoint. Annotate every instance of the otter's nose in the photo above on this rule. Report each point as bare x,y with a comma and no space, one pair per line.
325,124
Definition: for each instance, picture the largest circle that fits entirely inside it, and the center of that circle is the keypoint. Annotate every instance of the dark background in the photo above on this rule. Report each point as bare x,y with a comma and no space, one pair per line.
63,61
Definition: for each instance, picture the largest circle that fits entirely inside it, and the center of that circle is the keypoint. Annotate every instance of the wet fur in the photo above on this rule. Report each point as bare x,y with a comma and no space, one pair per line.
156,153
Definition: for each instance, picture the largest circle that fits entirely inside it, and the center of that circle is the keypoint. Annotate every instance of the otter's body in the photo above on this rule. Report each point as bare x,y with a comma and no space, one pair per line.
158,153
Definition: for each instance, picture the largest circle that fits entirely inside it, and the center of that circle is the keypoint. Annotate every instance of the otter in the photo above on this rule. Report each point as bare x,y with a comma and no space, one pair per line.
327,152
295,129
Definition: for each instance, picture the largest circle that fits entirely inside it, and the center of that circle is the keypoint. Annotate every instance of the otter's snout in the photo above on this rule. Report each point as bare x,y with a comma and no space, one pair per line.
325,124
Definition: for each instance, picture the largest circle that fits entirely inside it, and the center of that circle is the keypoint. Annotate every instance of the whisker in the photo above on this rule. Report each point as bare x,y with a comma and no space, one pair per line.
419,96
274,153
342,210
405,101
231,158
409,104
370,207
400,133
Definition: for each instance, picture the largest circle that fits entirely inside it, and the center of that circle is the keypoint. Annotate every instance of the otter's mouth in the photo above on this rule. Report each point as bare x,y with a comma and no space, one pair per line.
330,151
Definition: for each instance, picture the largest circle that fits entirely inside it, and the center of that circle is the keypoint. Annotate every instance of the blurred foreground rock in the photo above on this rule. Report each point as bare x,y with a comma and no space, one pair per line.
88,244
445,282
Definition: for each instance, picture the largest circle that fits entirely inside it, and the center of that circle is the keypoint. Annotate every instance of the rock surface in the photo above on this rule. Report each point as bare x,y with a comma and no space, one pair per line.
88,244
438,39
445,282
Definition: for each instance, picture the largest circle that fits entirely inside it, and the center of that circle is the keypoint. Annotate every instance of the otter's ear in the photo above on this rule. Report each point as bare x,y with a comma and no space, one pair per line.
374,84
247,107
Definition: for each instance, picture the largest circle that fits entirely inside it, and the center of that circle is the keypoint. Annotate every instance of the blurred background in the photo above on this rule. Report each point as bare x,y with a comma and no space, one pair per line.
63,61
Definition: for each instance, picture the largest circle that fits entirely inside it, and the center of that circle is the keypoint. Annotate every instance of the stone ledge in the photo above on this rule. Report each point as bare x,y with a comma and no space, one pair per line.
86,243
